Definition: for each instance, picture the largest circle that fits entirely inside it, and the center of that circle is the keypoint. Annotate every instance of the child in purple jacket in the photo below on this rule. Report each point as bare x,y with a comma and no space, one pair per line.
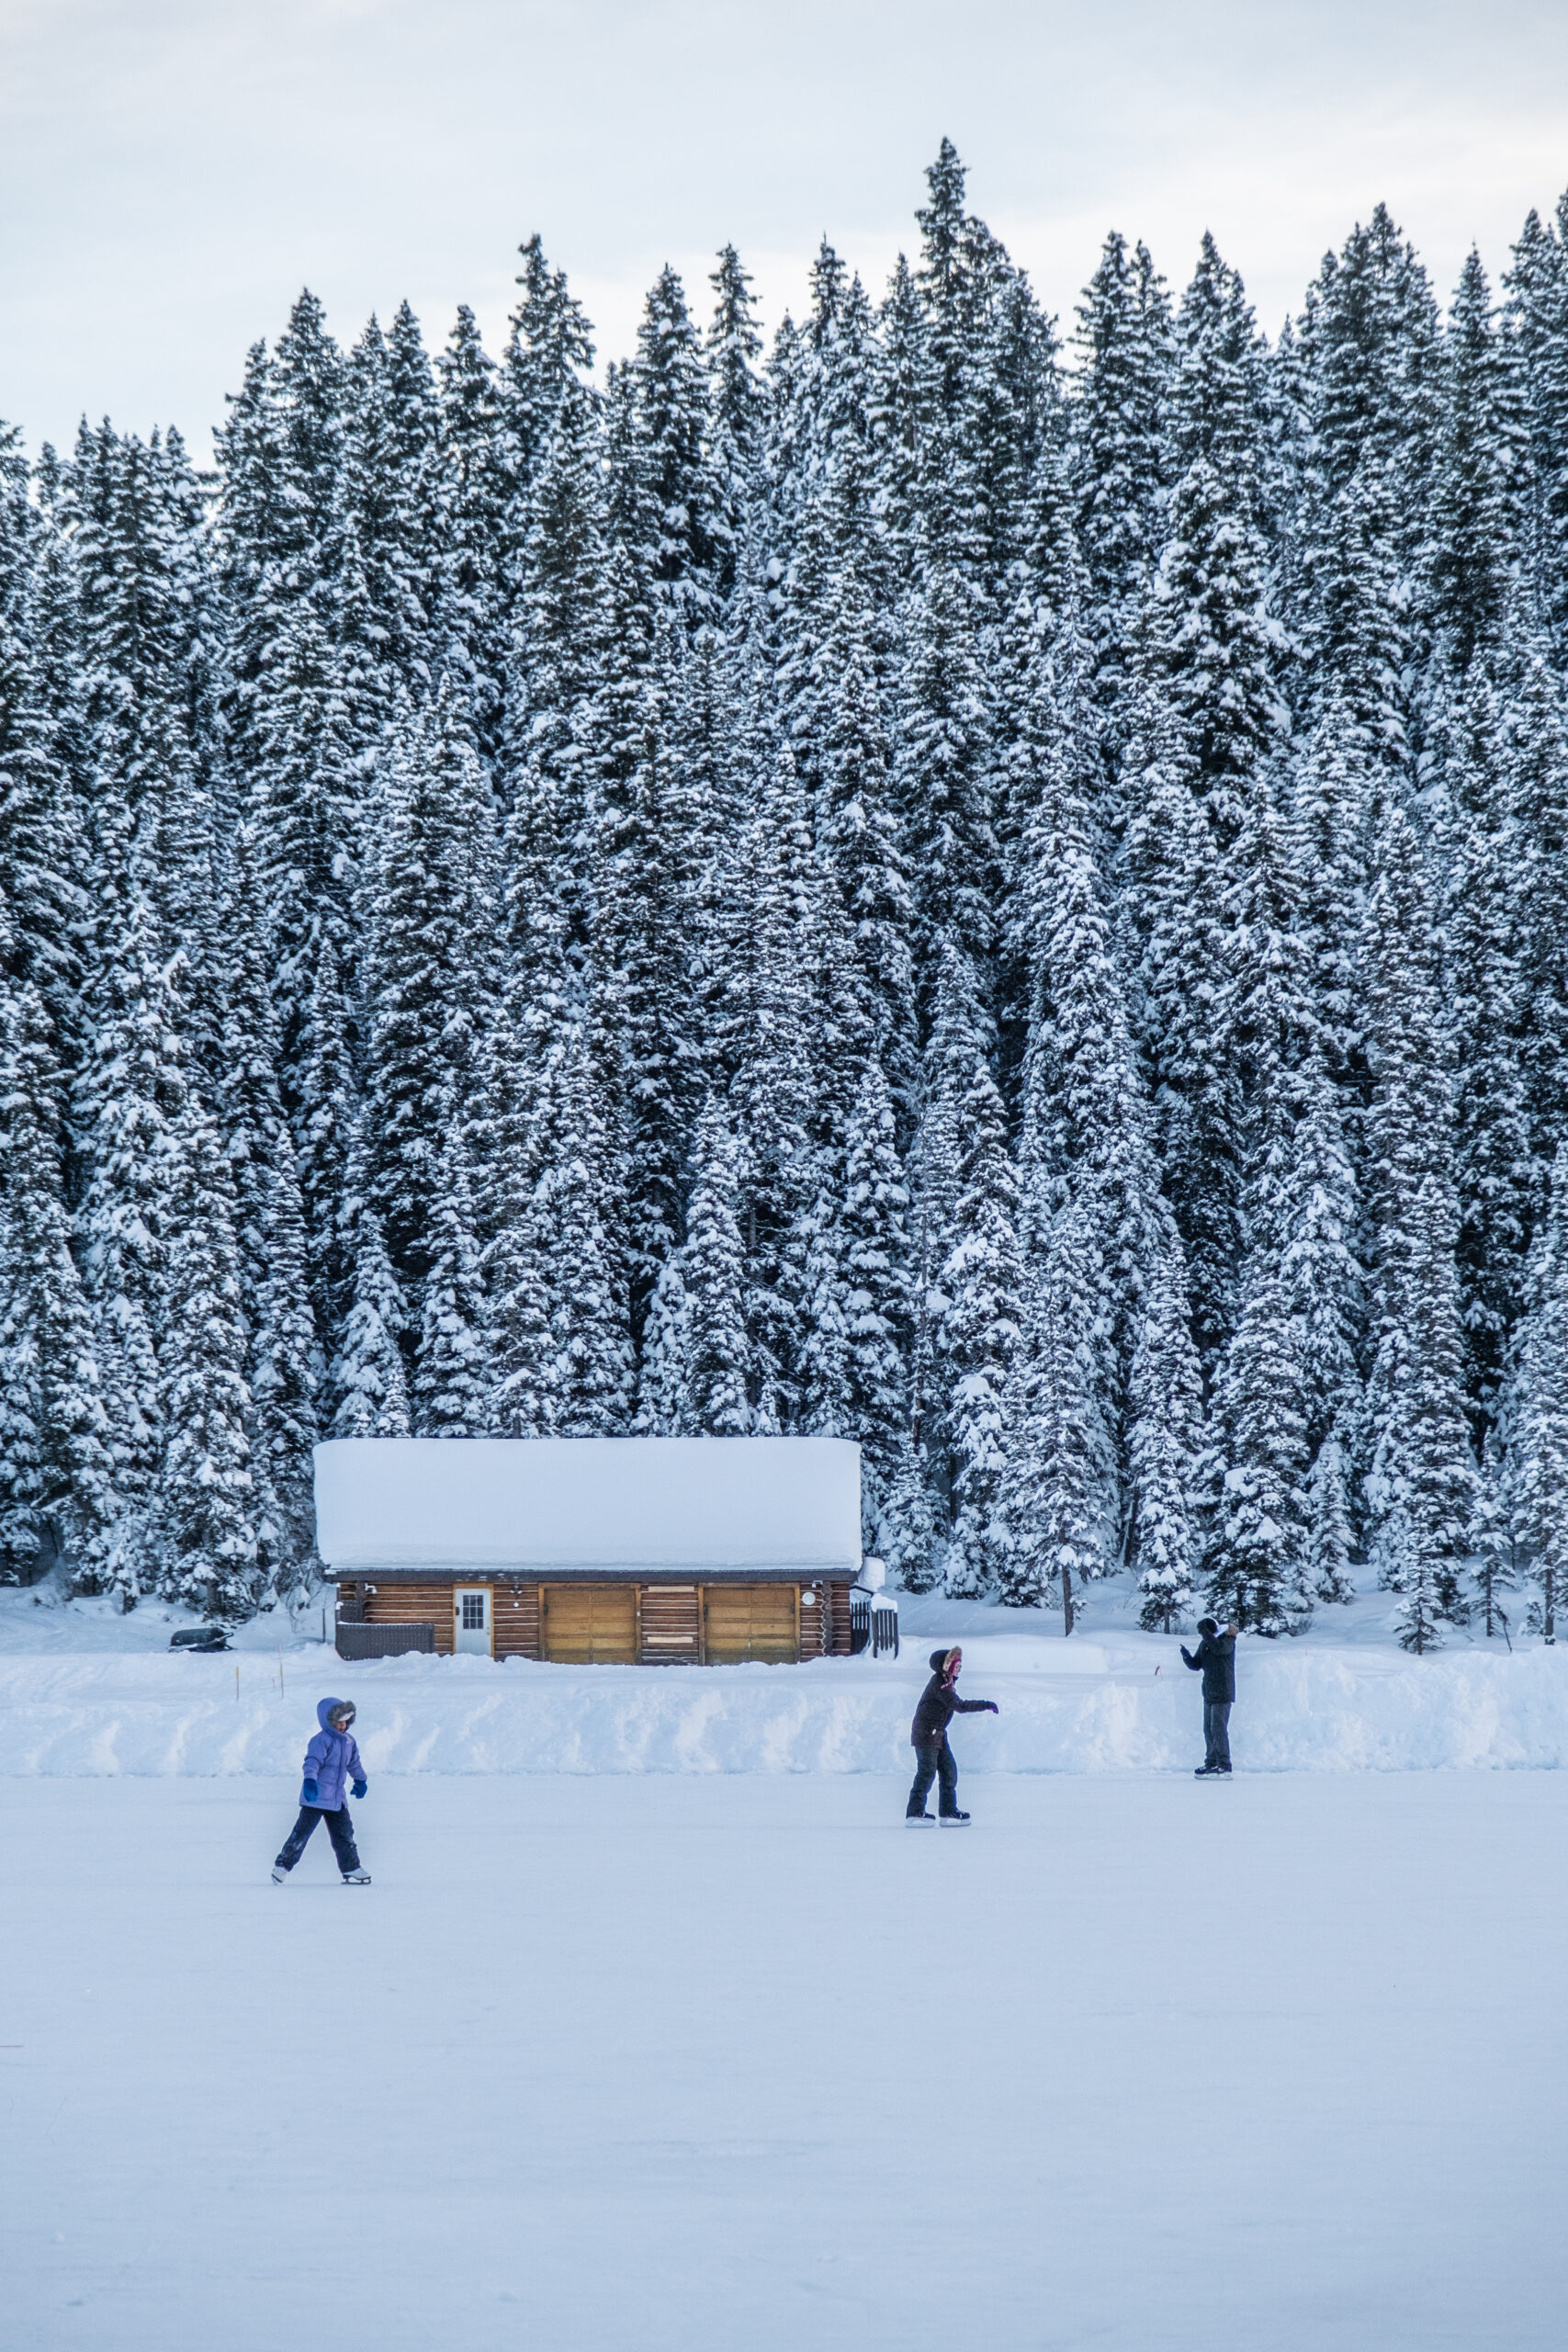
332,1768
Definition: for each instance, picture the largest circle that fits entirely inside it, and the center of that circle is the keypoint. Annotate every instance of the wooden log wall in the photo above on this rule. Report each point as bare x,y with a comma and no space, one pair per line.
408,1604
672,1625
670,1618
514,1614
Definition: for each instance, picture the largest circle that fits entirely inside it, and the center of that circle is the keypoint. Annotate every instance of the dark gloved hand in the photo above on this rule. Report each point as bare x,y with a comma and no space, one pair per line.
310,1793
359,1788
995,1709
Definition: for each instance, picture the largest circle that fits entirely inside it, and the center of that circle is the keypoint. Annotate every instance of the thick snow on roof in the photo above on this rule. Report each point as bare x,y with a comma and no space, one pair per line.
657,1503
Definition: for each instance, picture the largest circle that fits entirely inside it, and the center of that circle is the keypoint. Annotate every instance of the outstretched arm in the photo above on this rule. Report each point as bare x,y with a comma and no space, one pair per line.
1188,1659
975,1707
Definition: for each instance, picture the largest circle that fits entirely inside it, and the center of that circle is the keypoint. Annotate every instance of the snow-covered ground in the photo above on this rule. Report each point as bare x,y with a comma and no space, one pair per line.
83,1691
740,2064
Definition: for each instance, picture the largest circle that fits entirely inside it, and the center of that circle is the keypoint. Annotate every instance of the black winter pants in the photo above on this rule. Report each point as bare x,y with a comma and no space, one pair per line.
1217,1732
340,1829
935,1762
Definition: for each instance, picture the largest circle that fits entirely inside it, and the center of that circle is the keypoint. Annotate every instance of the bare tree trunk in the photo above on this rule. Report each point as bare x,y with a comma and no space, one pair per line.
1067,1599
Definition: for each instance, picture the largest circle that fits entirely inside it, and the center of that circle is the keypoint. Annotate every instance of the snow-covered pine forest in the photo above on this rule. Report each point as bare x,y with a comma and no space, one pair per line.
997,890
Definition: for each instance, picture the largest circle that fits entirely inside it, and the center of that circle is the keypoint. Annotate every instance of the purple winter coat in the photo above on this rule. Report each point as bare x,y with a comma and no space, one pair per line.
331,1761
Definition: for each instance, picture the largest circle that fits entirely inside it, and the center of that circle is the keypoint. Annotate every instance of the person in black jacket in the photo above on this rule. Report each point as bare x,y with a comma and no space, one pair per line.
940,1703
1215,1658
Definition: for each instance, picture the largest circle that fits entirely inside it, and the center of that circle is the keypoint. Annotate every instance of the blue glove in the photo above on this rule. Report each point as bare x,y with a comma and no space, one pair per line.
359,1788
310,1794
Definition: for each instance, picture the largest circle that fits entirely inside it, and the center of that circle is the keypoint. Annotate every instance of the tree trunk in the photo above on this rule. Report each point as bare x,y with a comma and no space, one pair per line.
1067,1599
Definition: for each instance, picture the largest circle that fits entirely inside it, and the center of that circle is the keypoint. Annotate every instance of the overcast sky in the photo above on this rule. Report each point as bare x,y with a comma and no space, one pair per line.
171,172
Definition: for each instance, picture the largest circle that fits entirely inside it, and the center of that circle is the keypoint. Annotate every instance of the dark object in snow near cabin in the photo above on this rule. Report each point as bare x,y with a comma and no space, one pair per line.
199,1638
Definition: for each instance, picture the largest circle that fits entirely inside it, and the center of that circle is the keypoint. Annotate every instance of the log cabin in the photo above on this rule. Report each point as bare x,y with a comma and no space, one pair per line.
593,1550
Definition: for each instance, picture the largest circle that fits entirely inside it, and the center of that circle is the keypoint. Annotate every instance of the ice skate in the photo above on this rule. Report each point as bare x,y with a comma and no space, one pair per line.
357,1878
913,1820
953,1820
278,1874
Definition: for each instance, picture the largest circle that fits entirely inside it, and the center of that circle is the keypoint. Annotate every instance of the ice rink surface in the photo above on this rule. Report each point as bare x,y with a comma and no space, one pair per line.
737,2064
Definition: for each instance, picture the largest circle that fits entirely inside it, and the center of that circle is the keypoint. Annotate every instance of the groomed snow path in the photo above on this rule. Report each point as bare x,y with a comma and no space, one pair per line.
740,2064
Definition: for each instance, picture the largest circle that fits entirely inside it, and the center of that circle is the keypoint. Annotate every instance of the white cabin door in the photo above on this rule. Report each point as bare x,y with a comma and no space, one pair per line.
472,1617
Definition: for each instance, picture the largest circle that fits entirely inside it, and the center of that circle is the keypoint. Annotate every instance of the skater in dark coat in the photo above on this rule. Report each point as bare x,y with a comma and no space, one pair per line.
1214,1659
940,1703
331,1769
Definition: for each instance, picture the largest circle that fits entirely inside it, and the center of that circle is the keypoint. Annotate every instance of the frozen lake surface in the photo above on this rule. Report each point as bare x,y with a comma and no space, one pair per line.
737,2064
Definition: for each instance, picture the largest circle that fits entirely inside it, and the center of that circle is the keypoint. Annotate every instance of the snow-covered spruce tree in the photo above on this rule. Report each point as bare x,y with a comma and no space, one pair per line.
1496,1177
1476,525
548,349
55,1471
43,852
368,1377
1260,1572
857,832
1124,334
202,1530
577,1226
678,500
738,406
1163,1442
1176,954
638,954
1535,767
1419,1469
429,915
661,1380
981,1283
1494,1566
713,1388
943,771
129,1087
468,624
1538,329
324,1126
1057,1501
448,1376
857,1303
1421,1478
1538,1414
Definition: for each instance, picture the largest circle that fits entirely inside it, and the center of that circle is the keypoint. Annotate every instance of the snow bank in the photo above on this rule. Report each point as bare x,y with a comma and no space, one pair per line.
1121,1704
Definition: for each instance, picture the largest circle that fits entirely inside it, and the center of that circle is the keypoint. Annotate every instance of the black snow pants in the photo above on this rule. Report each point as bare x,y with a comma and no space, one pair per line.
1217,1733
935,1762
340,1829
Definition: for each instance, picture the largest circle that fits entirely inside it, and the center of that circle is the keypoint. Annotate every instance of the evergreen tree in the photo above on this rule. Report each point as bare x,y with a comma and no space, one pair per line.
368,1376
203,1524
1059,1501
713,1389
1539,1412
1477,518
56,1495
429,915
448,1379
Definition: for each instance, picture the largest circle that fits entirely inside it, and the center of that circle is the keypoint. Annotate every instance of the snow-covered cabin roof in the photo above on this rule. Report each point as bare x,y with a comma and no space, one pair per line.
489,1506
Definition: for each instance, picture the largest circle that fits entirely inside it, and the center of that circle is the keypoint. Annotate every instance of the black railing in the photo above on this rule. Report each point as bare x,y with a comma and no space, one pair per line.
873,1625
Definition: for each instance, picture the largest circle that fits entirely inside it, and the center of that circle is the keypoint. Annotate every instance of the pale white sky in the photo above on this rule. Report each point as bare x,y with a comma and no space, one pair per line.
172,171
